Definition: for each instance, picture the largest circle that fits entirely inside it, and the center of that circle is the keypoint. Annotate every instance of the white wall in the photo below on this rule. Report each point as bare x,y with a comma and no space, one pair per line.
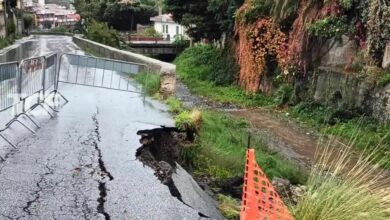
173,29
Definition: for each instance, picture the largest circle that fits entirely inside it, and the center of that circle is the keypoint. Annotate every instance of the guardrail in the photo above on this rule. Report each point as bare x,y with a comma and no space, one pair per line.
32,77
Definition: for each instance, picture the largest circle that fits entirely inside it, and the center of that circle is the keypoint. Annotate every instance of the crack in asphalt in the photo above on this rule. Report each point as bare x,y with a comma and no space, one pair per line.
104,172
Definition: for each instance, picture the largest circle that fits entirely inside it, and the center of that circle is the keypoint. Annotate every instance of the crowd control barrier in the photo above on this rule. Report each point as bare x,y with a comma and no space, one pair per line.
39,77
33,77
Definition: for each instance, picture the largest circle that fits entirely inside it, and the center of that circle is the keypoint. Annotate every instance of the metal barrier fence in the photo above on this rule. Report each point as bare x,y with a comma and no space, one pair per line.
49,78
33,77
8,84
98,72
39,77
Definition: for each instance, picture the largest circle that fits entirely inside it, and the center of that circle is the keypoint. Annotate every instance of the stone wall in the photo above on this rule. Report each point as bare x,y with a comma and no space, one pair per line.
166,70
338,53
380,103
337,89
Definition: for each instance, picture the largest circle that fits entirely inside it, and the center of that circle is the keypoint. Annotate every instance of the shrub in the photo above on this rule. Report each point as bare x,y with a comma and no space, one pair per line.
101,33
28,21
188,121
283,94
205,62
11,28
384,80
180,41
330,27
151,32
4,42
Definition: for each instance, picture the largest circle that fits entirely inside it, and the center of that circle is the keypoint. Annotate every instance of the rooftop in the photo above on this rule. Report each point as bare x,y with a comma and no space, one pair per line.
163,18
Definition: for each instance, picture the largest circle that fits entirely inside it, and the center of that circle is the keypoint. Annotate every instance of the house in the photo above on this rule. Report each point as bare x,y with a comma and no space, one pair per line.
52,15
165,25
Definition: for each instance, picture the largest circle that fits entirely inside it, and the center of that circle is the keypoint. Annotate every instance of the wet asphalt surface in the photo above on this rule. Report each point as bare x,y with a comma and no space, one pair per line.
81,164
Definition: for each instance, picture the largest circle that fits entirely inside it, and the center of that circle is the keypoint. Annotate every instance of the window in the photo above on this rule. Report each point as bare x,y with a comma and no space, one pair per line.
163,28
177,30
166,29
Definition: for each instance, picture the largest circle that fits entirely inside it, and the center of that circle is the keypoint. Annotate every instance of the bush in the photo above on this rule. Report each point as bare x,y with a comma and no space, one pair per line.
188,121
101,33
11,28
384,80
4,42
151,32
330,27
28,21
180,41
283,94
205,62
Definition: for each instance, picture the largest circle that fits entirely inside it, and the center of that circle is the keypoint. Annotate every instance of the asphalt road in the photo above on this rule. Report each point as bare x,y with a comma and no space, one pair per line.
81,164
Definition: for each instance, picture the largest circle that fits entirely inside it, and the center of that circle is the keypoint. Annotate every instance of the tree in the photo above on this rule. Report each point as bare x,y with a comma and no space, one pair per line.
28,20
195,16
119,15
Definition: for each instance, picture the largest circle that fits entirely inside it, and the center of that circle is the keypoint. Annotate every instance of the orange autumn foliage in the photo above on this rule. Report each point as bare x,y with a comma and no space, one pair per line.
257,42
263,39
298,43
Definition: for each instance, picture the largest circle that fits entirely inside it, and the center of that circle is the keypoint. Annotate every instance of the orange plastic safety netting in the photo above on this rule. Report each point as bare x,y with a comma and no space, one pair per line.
259,199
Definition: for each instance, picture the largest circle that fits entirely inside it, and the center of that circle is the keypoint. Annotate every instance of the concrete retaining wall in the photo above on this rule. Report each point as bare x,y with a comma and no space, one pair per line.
333,88
166,70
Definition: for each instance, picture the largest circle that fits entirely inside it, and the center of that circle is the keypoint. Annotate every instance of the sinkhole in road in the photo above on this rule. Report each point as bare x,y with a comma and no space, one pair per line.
160,151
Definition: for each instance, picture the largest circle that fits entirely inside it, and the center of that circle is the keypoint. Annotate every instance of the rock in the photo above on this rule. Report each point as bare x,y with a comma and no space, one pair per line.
386,57
282,187
287,191
168,82
337,89
340,53
380,104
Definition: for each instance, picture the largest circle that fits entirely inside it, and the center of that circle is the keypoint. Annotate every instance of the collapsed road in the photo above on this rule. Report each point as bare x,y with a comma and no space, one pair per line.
82,163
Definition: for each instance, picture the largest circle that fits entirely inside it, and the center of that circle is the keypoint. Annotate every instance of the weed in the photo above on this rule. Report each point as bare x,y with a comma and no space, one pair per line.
150,82
340,188
175,105
229,207
188,120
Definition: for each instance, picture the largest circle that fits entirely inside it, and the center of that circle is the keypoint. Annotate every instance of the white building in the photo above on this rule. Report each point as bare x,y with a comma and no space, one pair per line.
55,15
165,25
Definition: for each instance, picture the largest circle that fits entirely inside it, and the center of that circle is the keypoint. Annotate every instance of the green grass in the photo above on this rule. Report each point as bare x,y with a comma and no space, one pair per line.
226,94
223,142
384,80
209,72
4,42
150,82
229,207
366,132
175,106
